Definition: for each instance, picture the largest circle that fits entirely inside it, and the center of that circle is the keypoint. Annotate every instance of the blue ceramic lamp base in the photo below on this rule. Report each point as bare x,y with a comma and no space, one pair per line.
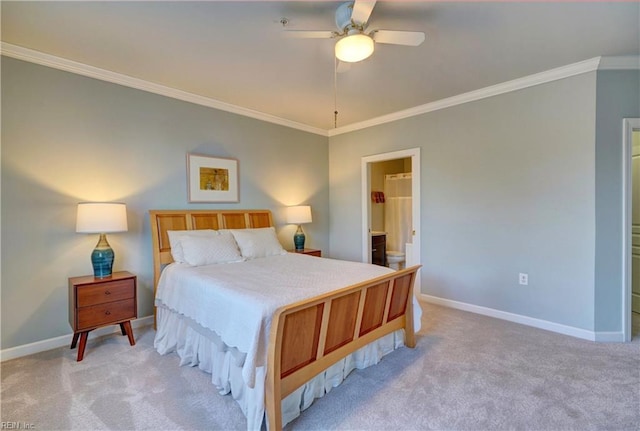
102,258
298,239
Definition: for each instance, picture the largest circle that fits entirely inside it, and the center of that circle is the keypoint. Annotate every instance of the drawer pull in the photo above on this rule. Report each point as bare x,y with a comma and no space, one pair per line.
108,313
107,292
375,249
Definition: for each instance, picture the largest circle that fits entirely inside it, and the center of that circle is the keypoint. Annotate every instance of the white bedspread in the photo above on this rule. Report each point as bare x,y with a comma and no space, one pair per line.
237,300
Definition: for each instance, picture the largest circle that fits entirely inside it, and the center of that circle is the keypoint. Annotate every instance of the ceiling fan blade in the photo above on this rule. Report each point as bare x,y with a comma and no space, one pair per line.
309,34
362,11
410,38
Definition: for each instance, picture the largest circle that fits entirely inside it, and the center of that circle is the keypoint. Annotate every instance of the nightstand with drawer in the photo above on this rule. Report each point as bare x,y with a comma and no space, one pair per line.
96,302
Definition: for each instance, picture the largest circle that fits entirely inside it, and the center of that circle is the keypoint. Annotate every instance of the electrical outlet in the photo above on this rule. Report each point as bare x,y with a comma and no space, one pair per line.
523,279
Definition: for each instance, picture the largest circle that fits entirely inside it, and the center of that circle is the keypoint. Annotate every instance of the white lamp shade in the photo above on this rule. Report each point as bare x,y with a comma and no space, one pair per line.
299,214
355,47
101,217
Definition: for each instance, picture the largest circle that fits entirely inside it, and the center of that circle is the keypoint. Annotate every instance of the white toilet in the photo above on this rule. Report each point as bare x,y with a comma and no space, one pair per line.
395,259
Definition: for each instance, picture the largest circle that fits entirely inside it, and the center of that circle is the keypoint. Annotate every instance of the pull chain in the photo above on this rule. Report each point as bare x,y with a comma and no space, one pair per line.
335,93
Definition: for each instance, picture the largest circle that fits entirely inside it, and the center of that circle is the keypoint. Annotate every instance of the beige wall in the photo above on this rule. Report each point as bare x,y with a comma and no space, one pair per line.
529,181
67,138
507,186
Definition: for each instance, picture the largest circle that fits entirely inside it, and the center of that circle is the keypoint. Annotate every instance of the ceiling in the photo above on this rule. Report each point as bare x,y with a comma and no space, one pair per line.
234,52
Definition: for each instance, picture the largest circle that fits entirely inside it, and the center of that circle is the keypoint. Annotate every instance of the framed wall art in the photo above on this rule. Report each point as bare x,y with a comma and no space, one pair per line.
212,179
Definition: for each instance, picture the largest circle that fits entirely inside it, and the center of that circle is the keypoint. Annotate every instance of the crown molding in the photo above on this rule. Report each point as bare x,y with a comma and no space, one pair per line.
494,90
591,65
66,65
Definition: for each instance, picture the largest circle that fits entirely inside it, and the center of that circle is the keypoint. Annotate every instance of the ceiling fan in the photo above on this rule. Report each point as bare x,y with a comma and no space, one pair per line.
355,40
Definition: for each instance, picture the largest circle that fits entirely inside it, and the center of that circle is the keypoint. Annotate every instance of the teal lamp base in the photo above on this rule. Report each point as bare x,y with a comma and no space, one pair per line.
102,258
298,239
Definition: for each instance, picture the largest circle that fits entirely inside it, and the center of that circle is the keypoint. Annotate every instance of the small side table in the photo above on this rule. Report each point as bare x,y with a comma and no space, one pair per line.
96,302
309,251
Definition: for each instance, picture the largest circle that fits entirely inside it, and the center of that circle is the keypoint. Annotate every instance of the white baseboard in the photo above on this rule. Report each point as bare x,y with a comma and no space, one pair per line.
525,320
65,340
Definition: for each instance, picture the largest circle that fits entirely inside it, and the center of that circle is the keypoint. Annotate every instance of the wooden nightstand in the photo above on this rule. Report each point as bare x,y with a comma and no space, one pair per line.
96,302
309,251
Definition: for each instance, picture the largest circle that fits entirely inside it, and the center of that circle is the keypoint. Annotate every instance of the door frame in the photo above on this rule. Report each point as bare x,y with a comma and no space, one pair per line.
629,125
414,154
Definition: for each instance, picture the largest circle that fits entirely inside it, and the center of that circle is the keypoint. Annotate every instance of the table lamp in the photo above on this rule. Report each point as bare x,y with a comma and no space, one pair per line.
298,215
102,218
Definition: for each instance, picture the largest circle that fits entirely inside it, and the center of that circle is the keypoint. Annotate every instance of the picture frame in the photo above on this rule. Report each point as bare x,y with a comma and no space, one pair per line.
211,179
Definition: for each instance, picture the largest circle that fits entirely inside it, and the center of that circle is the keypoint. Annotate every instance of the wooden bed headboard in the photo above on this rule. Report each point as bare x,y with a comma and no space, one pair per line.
164,220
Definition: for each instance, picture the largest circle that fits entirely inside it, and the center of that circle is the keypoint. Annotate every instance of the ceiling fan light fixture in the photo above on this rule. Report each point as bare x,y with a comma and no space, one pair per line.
354,48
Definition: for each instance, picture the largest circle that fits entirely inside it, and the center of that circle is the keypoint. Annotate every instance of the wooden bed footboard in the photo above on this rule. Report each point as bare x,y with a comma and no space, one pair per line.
309,336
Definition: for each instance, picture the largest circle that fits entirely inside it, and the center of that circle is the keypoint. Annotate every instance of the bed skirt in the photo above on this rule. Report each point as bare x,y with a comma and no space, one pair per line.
201,347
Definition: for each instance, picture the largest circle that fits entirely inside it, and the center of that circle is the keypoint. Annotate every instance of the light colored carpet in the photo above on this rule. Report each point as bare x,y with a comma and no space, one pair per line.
468,372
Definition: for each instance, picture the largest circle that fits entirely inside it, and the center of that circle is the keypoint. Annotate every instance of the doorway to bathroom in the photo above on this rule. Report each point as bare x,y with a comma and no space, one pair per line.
392,210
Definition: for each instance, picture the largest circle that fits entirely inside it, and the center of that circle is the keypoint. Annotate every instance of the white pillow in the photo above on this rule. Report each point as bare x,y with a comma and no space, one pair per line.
256,243
176,237
203,250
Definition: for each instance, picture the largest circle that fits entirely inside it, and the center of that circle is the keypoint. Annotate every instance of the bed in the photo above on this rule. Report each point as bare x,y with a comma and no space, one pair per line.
301,323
